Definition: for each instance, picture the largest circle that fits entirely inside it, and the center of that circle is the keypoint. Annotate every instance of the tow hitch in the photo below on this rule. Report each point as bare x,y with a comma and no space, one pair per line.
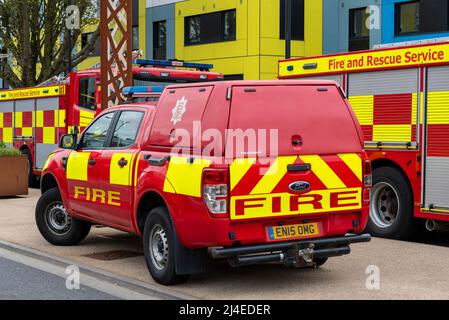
291,254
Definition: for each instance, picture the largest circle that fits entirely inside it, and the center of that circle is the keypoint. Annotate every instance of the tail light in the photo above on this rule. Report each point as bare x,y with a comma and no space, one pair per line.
367,178
215,191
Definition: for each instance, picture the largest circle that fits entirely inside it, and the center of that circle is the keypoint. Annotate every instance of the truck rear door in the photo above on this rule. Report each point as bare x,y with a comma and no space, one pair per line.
306,156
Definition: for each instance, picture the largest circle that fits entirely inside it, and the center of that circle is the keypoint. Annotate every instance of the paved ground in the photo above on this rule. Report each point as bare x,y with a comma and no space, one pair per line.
18,281
407,270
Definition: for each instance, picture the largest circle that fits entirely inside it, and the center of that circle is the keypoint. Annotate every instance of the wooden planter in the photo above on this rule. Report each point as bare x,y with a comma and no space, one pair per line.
13,176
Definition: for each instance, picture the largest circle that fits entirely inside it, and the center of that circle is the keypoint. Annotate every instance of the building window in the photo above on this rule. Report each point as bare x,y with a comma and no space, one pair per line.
359,34
297,19
422,17
85,39
160,40
135,29
210,27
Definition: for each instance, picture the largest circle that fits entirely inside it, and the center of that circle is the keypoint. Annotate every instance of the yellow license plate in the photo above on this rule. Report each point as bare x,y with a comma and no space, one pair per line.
293,231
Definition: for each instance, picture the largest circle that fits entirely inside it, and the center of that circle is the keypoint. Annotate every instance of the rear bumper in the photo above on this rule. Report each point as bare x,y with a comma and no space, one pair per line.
290,253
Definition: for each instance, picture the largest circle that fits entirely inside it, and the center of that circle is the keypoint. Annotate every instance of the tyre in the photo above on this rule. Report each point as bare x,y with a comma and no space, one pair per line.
159,248
32,178
55,224
391,207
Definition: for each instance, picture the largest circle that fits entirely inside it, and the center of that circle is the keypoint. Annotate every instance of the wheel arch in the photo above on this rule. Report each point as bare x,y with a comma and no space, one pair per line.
149,200
387,163
48,181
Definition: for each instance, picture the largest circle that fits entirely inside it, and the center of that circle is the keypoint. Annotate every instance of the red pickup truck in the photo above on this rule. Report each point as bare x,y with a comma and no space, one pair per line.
257,172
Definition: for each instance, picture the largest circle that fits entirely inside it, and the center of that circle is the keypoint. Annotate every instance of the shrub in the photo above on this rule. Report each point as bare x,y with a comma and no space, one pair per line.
7,151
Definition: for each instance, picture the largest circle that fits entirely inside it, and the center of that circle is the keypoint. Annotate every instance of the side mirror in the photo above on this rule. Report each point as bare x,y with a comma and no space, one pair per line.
68,141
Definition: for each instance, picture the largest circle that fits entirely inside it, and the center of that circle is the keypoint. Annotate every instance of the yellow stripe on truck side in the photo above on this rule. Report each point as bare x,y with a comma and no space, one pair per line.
185,178
321,169
77,166
239,168
354,162
274,174
121,175
363,107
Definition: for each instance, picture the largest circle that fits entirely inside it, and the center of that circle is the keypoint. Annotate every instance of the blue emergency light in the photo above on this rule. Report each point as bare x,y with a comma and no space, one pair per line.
174,63
127,91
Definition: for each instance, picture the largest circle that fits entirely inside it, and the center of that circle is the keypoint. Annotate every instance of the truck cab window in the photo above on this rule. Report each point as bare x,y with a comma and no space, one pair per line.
95,136
86,96
125,131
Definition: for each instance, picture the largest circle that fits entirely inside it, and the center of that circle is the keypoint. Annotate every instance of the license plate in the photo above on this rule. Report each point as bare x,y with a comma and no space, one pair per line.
293,231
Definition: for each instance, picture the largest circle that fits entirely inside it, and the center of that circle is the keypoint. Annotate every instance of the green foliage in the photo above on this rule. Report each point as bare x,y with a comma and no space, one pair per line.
7,151
34,34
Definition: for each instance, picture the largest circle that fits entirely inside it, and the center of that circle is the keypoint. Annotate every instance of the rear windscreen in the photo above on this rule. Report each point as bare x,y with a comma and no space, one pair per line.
295,119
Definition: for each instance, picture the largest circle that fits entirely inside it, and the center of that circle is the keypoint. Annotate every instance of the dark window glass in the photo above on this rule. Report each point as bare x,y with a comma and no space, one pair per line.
135,38
160,40
95,136
233,77
86,95
297,19
211,27
125,131
85,39
422,17
359,34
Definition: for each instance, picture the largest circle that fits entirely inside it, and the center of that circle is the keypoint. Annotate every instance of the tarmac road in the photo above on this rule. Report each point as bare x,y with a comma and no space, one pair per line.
381,269
18,281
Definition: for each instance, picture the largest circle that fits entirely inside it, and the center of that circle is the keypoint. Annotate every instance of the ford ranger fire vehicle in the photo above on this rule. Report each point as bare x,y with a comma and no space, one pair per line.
255,171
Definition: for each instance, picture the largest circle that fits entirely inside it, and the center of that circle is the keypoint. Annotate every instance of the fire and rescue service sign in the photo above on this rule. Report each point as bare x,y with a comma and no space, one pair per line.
366,60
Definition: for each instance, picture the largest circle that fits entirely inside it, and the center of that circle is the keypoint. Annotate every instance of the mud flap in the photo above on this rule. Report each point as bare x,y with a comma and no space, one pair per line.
189,261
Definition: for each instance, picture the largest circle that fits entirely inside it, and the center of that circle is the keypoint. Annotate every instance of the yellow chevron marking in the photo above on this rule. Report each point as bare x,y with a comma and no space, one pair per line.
239,168
274,174
323,172
184,177
354,162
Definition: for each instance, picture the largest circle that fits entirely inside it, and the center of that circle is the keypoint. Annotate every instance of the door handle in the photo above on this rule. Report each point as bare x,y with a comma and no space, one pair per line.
92,162
158,161
123,162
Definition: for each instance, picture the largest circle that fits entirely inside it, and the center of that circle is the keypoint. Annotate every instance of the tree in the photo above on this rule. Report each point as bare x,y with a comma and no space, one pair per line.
35,35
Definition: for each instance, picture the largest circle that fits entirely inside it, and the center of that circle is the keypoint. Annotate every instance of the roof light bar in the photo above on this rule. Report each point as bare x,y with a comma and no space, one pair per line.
173,63
127,91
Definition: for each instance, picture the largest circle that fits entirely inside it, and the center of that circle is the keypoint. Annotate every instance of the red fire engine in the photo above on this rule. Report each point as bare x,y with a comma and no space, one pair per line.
33,119
400,95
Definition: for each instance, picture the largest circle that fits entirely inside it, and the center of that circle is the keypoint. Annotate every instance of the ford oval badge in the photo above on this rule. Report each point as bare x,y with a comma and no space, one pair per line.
299,186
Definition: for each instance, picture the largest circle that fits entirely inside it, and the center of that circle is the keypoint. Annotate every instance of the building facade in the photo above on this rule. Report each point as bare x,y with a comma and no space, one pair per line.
242,38
350,25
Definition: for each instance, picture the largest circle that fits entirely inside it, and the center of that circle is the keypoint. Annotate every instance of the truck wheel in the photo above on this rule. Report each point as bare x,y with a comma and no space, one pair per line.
54,222
391,208
32,179
159,248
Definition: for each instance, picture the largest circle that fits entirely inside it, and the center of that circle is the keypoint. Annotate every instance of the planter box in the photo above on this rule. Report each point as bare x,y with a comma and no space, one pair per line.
13,176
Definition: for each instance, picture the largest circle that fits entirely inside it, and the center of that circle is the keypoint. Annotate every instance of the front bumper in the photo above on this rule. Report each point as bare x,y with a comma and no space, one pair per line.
297,253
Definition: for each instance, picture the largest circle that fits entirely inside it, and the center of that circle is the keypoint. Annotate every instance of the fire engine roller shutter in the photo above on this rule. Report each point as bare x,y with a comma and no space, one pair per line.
47,124
7,122
385,103
436,176
337,78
